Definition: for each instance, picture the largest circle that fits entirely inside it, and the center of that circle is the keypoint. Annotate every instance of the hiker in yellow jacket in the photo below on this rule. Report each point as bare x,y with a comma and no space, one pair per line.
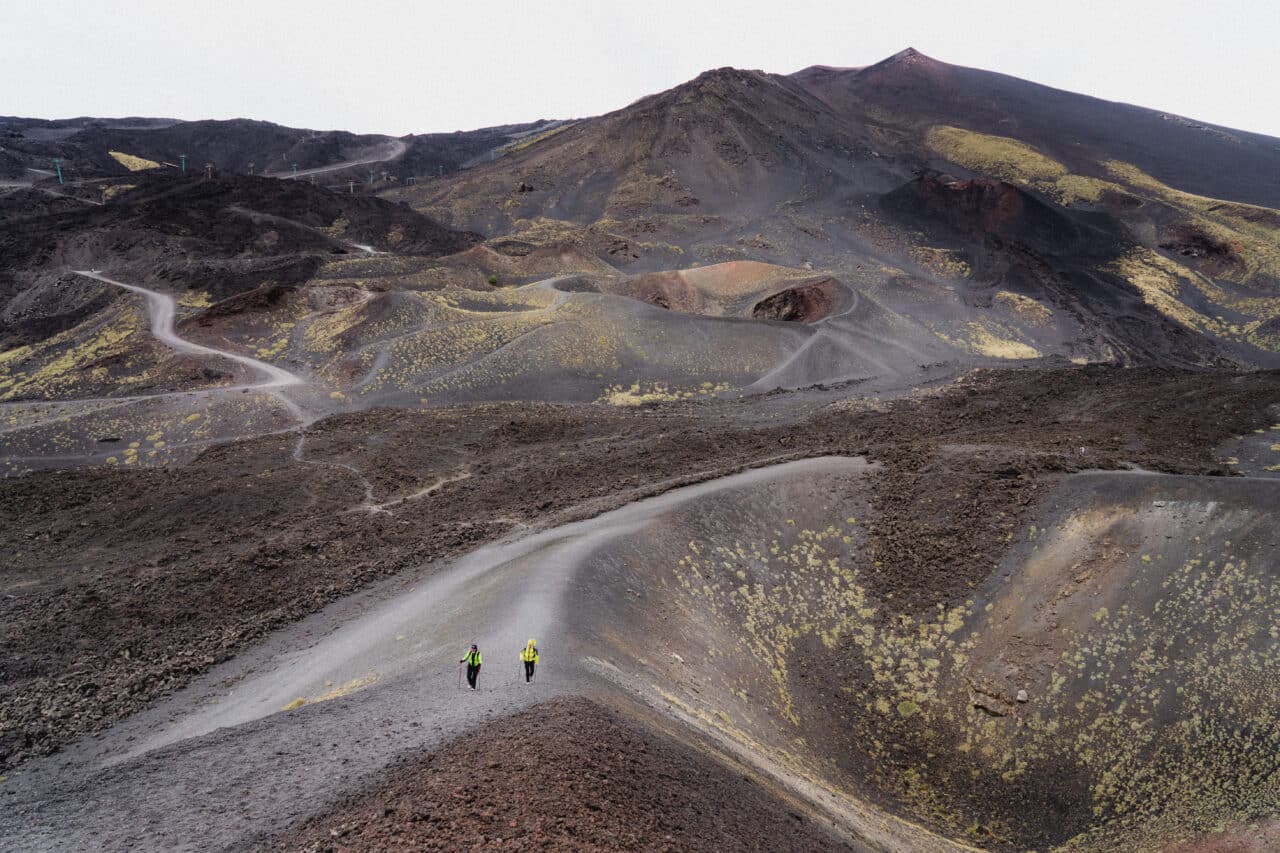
473,660
529,654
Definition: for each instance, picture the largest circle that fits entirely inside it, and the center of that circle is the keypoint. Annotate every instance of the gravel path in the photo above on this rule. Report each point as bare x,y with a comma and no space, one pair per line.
219,763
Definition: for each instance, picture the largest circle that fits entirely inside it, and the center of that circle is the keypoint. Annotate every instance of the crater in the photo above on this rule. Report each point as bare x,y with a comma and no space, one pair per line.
806,303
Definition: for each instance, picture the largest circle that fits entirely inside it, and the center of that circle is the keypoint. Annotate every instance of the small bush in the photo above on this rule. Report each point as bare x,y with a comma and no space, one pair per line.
493,280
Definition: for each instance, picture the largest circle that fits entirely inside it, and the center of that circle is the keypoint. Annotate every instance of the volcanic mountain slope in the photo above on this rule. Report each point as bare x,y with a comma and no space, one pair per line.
744,231
218,236
93,149
818,168
1189,224
702,163
910,93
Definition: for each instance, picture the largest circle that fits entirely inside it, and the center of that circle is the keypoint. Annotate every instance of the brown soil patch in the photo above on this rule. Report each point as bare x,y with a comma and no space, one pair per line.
567,775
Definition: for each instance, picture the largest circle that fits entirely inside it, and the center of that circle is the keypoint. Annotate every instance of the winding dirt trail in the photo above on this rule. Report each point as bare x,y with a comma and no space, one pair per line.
162,310
390,150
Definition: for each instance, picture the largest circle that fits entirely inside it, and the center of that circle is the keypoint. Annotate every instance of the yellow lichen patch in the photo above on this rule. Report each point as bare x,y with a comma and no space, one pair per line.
640,393
1252,232
1159,281
114,190
941,262
272,349
474,303
338,228
132,163
195,299
1070,189
350,687
1169,286
342,690
440,353
1026,308
57,364
534,139
997,156
984,337
1137,179
1014,161
544,229
324,333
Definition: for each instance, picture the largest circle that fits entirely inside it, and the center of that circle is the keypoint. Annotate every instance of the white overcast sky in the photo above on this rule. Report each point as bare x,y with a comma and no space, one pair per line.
412,67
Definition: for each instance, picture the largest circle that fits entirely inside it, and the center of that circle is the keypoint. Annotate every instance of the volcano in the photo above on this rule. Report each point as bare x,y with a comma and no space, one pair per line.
883,457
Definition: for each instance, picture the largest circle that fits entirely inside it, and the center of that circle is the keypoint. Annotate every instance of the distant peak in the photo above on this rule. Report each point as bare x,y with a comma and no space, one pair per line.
909,60
910,56
728,72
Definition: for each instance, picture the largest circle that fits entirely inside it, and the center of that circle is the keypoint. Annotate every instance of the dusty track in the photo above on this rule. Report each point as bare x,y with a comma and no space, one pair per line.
390,151
162,309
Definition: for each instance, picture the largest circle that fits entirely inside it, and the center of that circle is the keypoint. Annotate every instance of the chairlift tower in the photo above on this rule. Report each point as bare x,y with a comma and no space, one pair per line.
183,158
57,164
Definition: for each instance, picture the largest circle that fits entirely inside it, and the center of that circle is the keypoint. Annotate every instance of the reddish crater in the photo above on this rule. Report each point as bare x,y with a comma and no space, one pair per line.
982,205
805,303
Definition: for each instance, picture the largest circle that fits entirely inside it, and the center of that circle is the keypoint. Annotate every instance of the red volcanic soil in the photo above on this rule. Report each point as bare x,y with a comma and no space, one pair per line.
991,204
672,291
570,774
806,303
973,206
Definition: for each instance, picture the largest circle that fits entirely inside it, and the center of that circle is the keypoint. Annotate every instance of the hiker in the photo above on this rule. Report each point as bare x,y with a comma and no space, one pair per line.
473,661
529,654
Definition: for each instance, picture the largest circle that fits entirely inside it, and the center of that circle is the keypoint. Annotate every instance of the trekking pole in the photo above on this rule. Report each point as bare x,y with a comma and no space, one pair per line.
459,676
